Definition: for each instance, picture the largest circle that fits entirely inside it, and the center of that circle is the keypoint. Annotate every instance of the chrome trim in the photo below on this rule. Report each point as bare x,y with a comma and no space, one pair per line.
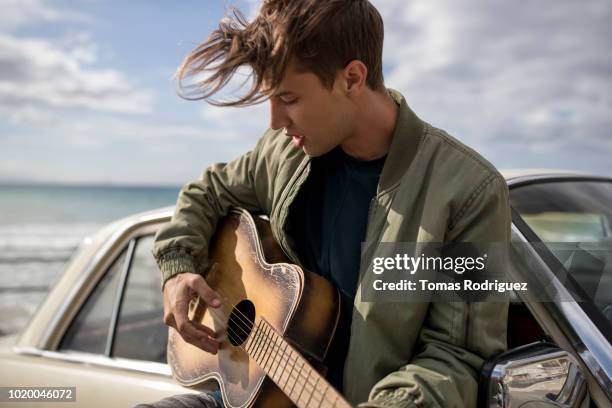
585,339
547,178
98,360
130,226
125,270
540,375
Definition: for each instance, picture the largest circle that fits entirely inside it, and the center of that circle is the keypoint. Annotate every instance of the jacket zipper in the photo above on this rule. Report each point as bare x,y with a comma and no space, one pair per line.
285,202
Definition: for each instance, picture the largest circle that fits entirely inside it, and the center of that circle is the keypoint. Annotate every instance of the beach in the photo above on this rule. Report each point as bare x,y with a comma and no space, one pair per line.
41,227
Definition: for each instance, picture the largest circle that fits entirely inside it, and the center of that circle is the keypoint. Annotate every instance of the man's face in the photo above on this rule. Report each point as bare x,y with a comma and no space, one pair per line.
317,118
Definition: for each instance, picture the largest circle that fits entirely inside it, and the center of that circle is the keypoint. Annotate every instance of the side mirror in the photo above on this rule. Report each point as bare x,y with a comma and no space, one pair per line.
535,375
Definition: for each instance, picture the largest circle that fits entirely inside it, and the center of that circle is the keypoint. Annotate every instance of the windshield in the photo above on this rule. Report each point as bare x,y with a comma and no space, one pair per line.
574,212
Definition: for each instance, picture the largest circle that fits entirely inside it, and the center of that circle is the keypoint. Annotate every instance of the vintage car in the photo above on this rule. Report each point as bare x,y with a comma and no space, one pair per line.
100,328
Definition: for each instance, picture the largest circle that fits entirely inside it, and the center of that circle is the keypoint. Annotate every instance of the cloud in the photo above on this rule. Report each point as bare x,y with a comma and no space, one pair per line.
17,13
526,85
94,130
65,115
251,121
70,117
536,77
40,75
533,80
104,148
236,122
35,72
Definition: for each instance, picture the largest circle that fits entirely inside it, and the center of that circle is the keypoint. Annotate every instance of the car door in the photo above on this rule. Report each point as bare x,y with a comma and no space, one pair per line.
114,348
562,226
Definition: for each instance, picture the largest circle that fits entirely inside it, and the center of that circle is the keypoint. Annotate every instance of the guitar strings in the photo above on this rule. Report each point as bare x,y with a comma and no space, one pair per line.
287,359
290,361
255,329
309,386
275,348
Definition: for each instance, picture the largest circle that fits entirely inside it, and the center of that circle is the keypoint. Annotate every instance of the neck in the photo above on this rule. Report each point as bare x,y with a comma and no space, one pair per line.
373,131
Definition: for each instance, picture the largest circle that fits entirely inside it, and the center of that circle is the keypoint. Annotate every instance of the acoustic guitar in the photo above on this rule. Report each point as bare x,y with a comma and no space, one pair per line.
277,322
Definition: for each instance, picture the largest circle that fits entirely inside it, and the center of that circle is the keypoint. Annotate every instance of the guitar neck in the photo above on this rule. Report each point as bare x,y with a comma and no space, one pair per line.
289,370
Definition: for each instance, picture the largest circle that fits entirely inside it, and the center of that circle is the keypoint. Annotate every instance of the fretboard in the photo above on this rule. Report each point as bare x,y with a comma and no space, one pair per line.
289,370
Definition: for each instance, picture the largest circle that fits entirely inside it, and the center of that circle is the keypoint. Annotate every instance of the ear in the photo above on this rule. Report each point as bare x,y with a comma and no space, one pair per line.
354,76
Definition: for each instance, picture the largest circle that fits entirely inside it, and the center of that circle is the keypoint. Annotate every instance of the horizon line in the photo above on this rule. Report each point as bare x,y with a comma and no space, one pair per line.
39,183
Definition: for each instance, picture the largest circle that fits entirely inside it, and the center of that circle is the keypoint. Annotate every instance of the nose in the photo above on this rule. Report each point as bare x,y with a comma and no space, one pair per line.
278,116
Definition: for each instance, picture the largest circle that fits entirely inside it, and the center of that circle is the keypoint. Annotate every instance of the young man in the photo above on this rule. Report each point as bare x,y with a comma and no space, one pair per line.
344,161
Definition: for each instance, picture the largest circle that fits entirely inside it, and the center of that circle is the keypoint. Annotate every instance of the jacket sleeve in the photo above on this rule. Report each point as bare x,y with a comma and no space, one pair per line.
182,244
457,337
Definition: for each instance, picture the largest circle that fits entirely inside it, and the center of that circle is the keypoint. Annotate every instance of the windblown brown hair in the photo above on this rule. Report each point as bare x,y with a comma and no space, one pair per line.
323,36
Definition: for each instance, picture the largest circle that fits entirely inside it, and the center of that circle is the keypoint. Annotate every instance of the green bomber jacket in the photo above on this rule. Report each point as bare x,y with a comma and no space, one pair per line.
432,189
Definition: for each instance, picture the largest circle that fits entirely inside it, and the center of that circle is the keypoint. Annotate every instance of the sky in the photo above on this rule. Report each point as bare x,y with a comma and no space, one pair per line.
87,94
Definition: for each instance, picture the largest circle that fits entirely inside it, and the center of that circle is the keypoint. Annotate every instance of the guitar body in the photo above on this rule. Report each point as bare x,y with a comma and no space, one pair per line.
259,290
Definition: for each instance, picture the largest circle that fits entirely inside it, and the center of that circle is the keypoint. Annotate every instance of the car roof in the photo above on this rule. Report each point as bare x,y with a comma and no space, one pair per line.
510,174
516,177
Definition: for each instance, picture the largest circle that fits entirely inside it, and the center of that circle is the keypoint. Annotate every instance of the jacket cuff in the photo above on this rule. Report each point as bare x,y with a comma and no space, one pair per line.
396,398
173,262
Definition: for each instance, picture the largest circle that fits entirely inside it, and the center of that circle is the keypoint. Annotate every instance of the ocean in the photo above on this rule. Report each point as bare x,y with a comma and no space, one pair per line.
42,225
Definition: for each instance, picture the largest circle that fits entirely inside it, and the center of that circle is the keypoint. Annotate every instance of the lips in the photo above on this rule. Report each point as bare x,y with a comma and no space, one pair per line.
298,141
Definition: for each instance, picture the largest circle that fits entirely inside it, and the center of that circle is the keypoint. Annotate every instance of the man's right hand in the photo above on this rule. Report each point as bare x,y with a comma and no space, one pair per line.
178,292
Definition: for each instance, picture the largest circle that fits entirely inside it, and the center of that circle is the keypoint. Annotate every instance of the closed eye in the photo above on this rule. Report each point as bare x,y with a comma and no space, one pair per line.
289,101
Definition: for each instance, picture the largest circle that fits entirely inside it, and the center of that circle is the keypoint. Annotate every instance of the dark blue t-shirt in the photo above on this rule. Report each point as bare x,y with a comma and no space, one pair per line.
328,222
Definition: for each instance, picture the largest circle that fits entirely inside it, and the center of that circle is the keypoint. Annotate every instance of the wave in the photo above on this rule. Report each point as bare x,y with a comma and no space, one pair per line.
42,242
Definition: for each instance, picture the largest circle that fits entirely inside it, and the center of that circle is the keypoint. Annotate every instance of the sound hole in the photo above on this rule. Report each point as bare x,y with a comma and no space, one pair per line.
241,322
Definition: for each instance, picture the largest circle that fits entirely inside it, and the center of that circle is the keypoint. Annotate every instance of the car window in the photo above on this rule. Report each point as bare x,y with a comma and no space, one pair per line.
141,333
90,328
574,212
